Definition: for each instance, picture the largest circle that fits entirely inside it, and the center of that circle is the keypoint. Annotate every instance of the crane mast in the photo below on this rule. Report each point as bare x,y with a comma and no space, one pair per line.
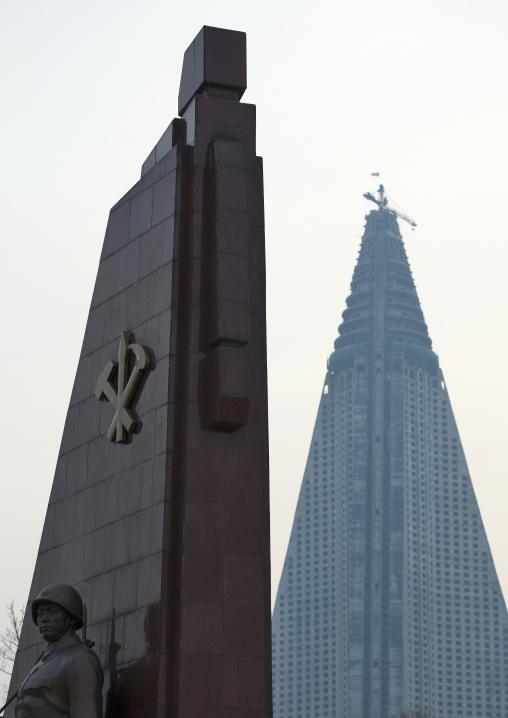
382,203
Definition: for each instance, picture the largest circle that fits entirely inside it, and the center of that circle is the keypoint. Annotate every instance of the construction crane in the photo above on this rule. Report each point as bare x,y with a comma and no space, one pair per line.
382,203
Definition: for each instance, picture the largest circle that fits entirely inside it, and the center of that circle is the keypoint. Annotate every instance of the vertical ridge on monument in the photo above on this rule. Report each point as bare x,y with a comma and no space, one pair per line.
389,598
159,511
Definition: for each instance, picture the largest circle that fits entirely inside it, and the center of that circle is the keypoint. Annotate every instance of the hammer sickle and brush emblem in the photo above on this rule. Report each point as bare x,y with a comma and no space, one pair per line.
121,396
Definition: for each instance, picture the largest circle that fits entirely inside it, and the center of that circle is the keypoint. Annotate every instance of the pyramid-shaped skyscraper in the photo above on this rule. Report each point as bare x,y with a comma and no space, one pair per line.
389,598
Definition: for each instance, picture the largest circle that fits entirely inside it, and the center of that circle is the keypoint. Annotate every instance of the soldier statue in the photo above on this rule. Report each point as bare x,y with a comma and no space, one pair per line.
66,681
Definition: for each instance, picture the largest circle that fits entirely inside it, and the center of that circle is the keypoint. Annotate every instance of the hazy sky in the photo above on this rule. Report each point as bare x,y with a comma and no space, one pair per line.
413,90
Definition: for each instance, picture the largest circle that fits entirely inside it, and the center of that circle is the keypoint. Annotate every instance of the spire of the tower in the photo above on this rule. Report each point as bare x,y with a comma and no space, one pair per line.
382,293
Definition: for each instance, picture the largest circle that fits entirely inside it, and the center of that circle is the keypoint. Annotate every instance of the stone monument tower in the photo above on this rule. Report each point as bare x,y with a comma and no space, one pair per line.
159,510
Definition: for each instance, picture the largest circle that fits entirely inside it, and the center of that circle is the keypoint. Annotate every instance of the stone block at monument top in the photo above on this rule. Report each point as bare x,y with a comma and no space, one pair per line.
159,511
216,59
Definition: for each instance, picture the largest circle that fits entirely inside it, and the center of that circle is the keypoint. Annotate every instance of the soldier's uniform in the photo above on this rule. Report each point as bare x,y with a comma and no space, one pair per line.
66,682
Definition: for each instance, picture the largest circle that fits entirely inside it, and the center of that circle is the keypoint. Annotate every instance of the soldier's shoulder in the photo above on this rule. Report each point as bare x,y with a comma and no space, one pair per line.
82,652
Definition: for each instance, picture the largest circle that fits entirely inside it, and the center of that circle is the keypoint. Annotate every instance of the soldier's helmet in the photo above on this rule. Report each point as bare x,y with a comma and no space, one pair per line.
63,595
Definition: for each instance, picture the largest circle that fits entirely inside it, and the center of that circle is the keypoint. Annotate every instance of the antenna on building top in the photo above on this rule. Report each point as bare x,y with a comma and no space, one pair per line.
382,203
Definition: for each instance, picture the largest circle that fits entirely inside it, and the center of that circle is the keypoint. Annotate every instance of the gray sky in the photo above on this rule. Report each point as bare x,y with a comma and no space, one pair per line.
413,90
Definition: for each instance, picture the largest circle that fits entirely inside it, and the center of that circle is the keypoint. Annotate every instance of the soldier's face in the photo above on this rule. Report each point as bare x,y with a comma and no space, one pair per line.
52,621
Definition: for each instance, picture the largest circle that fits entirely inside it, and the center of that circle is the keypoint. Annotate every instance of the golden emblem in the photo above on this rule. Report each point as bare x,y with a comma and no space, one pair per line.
121,396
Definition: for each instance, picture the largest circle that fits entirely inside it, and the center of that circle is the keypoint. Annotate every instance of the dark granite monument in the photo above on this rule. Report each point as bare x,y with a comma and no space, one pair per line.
159,512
